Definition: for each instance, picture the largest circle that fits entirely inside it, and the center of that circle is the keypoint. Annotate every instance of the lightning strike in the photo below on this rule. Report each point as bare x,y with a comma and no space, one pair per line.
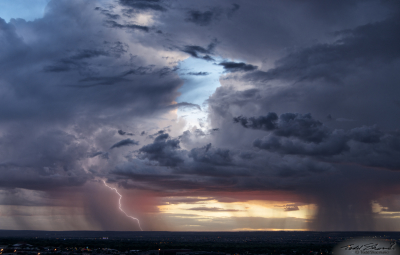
120,208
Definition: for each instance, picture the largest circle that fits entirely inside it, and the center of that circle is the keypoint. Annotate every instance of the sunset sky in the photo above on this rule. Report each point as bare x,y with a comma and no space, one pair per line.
228,115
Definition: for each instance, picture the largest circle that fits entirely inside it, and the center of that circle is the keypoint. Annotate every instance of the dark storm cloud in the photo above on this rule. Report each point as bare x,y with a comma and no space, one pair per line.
126,142
351,76
108,13
121,132
164,150
98,81
114,24
237,67
200,52
366,134
356,146
267,122
42,160
202,18
356,48
303,127
62,104
208,154
337,144
77,60
95,154
88,53
235,8
138,71
303,135
207,17
30,179
72,78
167,71
145,5
203,161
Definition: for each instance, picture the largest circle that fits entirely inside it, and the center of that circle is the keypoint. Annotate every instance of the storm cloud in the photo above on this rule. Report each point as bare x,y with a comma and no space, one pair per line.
125,142
237,67
305,114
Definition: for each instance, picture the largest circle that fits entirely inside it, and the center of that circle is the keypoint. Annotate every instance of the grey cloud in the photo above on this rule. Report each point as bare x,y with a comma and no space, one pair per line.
198,73
296,125
336,144
289,207
93,80
200,52
99,81
204,161
350,76
208,154
267,122
103,155
183,105
77,60
142,70
28,178
95,154
237,67
299,134
206,18
166,71
356,48
108,13
187,200
135,5
213,209
121,132
63,107
163,149
71,79
235,8
114,24
126,142
201,18
366,134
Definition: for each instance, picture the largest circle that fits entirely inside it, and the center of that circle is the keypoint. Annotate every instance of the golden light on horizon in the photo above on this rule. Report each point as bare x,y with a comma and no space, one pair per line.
210,209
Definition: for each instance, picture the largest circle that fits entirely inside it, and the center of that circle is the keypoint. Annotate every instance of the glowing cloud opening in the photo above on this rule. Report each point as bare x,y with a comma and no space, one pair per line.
120,207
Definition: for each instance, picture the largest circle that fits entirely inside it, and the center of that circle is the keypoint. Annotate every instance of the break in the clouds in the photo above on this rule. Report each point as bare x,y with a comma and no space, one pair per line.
248,113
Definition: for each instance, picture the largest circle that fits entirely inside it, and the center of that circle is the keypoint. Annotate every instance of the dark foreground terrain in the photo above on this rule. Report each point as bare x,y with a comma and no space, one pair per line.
176,243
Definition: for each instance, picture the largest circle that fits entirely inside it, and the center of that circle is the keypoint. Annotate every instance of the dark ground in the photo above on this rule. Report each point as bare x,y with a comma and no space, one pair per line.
229,242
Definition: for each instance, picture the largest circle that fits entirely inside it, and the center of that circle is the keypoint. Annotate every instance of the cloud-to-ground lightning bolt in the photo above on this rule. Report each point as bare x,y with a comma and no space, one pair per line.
120,208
